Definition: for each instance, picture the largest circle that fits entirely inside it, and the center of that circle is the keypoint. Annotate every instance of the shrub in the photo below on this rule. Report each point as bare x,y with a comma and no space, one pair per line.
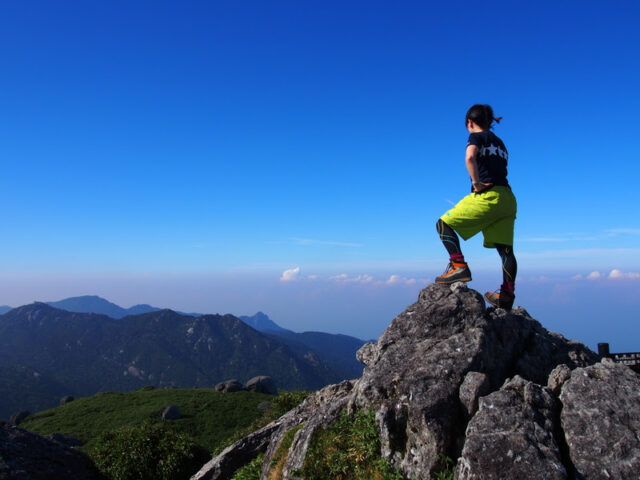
348,450
251,471
278,406
146,452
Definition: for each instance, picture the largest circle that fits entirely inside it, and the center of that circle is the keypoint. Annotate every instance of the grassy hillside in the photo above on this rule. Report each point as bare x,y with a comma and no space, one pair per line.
209,417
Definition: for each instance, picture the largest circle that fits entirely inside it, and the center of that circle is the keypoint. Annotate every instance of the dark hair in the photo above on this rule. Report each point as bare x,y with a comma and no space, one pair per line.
482,115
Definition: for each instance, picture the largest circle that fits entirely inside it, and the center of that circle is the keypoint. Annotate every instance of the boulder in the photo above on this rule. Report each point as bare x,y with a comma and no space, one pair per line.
27,456
172,412
601,421
229,386
512,436
474,385
67,399
262,384
16,418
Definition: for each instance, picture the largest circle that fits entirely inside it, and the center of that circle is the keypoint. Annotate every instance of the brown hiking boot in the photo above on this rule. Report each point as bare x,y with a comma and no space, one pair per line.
456,272
500,298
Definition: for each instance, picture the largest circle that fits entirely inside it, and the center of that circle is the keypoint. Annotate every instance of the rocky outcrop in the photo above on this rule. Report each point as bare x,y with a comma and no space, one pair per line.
262,384
601,421
513,433
18,417
451,377
28,456
229,386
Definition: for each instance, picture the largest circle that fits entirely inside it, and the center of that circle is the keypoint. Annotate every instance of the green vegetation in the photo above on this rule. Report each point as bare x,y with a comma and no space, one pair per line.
278,406
281,455
124,434
250,471
348,450
210,418
147,452
447,469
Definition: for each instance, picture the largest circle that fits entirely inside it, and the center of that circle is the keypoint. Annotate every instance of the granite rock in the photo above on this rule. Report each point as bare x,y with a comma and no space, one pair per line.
601,421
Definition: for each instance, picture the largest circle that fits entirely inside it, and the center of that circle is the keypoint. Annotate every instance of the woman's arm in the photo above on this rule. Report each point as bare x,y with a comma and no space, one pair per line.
472,168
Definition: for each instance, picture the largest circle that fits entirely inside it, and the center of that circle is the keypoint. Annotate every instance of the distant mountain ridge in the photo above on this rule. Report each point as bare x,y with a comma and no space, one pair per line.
45,351
96,304
335,350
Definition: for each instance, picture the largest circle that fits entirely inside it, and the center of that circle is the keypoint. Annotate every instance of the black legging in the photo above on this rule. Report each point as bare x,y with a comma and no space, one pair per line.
449,238
509,264
451,242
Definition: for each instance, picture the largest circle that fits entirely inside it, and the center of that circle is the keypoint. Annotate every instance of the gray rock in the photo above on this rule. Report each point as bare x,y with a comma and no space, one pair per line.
262,384
229,386
18,417
368,353
512,436
67,399
172,412
27,456
557,377
474,386
423,378
427,352
601,421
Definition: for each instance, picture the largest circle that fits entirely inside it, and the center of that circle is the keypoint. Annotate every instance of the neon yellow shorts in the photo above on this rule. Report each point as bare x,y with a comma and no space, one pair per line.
492,212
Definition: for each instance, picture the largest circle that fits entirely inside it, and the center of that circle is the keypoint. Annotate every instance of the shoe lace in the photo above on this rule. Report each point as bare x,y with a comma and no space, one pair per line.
449,268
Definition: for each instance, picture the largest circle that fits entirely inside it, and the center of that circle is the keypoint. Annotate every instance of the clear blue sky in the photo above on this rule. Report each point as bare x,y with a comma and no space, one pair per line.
187,154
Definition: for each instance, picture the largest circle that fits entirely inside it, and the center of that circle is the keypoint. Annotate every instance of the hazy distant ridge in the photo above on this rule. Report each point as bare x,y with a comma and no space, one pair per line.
80,354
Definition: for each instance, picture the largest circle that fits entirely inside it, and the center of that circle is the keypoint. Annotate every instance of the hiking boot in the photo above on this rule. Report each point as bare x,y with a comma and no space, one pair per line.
500,298
456,272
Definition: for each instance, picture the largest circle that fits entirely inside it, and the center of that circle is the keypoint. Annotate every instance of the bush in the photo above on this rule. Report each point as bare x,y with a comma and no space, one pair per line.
278,406
147,452
250,471
348,450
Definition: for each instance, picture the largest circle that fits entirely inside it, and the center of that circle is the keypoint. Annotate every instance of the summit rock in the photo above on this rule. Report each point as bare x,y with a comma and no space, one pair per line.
452,377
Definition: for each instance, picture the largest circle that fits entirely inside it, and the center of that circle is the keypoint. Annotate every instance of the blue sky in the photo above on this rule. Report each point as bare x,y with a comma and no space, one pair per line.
187,155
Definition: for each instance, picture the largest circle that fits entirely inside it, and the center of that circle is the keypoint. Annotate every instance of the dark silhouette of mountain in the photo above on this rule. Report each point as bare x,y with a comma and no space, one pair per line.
95,304
4,309
337,351
85,353
262,323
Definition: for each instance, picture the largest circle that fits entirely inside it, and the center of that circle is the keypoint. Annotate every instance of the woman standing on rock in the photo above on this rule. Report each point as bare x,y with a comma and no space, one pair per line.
490,208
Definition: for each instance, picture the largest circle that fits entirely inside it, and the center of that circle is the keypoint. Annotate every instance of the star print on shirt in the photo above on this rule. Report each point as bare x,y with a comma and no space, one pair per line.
493,150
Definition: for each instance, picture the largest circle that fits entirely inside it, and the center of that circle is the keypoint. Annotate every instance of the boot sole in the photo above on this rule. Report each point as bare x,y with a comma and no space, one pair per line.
497,304
448,282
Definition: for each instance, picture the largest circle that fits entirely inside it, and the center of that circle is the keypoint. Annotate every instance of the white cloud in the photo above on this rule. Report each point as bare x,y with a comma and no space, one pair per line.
629,231
344,278
577,277
594,276
398,280
312,277
615,274
290,275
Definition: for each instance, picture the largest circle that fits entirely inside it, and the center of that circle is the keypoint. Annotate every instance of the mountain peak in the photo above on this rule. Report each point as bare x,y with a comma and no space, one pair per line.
261,322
